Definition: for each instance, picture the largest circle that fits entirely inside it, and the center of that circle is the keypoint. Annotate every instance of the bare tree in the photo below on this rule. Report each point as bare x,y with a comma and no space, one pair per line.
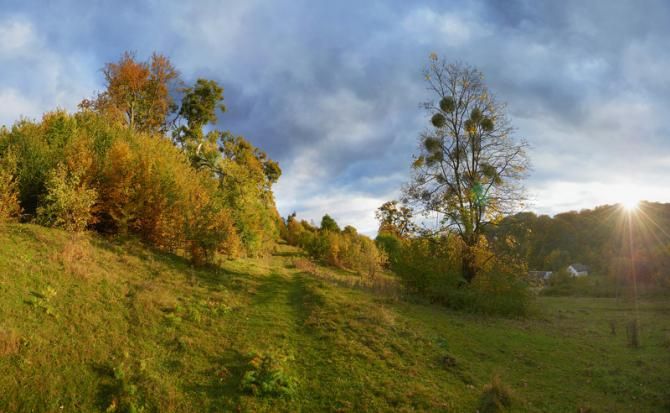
470,168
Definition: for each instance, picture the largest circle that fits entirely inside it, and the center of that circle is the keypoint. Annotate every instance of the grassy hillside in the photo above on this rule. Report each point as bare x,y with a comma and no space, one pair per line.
90,325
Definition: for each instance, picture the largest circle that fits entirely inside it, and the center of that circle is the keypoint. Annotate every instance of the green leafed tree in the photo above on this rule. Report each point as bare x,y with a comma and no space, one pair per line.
329,224
470,167
199,107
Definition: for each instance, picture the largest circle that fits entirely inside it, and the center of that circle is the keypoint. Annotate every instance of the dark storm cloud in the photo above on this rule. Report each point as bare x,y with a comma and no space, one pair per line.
332,89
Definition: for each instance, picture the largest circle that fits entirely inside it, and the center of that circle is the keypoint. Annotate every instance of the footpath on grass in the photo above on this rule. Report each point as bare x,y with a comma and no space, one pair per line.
93,325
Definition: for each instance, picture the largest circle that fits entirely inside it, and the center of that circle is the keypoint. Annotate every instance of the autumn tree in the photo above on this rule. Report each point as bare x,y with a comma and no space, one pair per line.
246,175
395,219
470,166
9,188
138,93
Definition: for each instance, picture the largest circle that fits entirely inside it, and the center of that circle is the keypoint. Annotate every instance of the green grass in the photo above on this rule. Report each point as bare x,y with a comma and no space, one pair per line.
90,325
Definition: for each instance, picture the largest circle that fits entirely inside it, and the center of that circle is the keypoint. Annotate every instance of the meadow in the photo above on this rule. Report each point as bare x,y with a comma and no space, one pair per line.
92,324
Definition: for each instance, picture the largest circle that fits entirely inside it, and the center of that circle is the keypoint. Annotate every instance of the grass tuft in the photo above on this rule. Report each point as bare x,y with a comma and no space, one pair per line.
10,342
75,256
496,397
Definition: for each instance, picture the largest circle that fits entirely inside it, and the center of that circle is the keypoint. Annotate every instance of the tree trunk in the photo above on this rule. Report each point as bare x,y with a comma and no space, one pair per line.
468,264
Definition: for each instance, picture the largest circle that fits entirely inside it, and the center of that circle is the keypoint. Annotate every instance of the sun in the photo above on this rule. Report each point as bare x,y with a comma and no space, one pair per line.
630,204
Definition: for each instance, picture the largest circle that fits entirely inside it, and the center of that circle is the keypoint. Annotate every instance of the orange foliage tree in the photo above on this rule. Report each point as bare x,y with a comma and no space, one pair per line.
138,93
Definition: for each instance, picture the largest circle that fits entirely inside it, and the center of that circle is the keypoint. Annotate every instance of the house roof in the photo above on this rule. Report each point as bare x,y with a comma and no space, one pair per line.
580,267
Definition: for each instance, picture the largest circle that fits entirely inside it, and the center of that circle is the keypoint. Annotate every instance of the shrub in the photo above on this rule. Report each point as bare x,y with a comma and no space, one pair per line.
209,228
496,397
391,245
346,249
294,230
124,393
431,267
79,171
266,377
9,189
428,265
68,202
34,161
150,189
247,176
119,198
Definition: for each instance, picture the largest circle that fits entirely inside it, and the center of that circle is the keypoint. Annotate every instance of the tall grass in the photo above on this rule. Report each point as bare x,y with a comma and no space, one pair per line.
381,284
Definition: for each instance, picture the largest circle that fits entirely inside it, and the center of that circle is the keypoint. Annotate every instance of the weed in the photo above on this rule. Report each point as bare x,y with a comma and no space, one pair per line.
124,394
193,314
9,342
496,398
43,300
173,320
266,377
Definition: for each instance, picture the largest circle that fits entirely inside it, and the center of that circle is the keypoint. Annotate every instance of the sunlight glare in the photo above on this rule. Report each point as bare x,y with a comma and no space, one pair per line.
630,204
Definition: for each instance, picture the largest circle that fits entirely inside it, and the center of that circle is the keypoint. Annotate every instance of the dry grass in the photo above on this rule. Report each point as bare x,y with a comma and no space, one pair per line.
9,342
380,284
496,397
75,257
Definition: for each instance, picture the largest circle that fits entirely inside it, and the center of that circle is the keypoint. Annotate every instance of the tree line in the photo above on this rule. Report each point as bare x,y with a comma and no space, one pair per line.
613,242
136,159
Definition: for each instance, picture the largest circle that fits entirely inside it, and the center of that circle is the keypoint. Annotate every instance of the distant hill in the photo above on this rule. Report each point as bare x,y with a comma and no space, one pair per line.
597,237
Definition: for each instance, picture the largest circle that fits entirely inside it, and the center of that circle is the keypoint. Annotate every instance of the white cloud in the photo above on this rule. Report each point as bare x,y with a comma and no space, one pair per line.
13,106
561,196
452,29
347,208
17,37
37,78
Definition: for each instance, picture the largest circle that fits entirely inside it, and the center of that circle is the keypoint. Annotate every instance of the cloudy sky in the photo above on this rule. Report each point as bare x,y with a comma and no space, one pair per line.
332,89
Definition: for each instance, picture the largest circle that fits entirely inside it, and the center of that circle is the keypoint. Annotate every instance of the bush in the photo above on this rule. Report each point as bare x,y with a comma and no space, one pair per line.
79,171
391,245
68,203
346,249
496,397
428,266
124,393
431,267
265,376
9,189
209,228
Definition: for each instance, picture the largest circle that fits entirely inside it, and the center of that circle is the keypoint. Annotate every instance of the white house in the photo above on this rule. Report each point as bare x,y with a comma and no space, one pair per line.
578,270
540,275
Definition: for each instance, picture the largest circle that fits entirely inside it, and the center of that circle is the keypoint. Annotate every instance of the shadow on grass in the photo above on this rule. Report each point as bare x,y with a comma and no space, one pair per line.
108,387
302,299
152,259
289,254
223,382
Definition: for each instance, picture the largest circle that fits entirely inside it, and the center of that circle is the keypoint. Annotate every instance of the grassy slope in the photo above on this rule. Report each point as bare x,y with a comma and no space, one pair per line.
72,311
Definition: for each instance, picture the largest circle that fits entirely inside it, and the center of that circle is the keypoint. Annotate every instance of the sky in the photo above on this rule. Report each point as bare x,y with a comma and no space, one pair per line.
332,90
